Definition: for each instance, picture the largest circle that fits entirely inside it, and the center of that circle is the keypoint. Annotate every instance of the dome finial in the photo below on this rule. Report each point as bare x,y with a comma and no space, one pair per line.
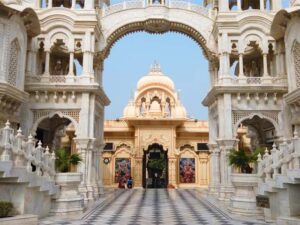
155,67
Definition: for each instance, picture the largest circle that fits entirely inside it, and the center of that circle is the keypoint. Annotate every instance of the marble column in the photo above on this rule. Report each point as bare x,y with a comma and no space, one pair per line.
82,148
47,63
49,3
214,169
265,64
262,4
226,188
71,64
241,65
239,7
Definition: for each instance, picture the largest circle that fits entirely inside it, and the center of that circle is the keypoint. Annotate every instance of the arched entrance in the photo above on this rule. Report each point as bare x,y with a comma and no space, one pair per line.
58,134
256,132
155,167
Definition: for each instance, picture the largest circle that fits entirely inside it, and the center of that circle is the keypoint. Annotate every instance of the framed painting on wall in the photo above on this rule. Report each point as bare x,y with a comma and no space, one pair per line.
122,169
187,170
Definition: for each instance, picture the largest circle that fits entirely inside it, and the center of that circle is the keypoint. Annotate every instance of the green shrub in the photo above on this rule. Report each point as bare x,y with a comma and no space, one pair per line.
6,209
64,159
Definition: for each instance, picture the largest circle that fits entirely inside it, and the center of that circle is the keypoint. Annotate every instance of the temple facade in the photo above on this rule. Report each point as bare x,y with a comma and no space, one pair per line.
154,135
52,55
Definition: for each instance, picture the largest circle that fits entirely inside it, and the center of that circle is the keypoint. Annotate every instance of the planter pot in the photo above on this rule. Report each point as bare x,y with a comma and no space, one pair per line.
68,201
243,201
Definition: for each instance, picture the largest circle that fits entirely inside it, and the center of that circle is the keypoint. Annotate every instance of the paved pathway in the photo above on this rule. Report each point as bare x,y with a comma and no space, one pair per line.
154,206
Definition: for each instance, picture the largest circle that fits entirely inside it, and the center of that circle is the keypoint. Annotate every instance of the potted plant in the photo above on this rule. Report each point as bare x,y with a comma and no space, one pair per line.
242,159
64,160
68,201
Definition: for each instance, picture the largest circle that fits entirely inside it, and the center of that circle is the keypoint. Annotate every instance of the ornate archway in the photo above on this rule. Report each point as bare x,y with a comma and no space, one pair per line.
191,20
156,175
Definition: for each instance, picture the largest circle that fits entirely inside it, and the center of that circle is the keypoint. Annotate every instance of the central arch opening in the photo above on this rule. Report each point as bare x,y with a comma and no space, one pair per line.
155,167
181,60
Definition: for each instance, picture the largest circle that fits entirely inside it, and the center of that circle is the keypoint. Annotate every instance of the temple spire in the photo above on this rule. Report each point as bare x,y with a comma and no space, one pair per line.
155,67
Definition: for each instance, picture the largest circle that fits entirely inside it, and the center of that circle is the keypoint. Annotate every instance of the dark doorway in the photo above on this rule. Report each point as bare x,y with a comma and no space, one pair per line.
155,167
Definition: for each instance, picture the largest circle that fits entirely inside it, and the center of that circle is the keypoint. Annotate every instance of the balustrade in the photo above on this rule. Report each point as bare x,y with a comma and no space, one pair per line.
176,4
280,160
23,153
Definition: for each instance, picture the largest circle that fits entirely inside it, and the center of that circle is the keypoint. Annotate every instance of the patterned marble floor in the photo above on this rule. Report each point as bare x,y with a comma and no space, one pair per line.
154,206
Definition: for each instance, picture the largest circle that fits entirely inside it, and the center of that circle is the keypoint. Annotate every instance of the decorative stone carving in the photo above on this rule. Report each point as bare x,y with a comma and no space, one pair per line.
296,52
237,116
13,63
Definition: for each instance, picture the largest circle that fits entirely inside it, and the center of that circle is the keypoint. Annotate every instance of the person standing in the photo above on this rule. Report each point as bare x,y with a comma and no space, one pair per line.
129,183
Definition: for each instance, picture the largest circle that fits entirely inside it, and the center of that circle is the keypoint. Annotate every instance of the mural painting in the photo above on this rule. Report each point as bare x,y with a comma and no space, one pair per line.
187,170
122,169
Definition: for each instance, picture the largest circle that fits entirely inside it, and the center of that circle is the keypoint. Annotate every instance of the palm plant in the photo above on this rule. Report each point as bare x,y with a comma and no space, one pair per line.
241,159
64,159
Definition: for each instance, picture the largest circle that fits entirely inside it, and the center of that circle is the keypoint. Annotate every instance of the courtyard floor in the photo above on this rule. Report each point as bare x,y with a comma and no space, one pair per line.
153,206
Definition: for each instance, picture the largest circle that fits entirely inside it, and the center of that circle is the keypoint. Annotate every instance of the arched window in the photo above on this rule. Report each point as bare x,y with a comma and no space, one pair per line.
296,52
13,63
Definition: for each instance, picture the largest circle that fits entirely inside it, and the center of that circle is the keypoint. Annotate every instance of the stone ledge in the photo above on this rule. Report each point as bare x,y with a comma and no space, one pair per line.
25,219
288,221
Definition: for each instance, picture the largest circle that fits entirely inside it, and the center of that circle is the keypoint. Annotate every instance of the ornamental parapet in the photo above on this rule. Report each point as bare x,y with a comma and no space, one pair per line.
252,81
58,79
140,4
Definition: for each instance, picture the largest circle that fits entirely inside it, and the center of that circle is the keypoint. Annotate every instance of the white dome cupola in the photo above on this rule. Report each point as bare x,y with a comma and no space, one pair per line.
155,98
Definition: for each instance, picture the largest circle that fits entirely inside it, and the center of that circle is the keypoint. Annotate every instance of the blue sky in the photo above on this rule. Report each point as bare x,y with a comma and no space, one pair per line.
180,58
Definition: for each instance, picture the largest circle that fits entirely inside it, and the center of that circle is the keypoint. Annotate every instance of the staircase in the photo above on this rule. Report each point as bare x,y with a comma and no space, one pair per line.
279,174
26,173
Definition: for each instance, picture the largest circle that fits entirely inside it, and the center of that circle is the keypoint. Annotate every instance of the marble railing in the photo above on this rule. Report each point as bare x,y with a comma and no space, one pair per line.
138,4
232,80
280,160
52,79
24,154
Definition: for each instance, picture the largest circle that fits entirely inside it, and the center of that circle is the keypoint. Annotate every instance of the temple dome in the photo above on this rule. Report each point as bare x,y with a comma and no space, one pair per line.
129,110
154,78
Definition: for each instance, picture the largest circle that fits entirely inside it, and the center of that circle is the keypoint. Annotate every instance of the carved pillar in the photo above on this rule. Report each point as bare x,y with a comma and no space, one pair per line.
138,172
100,169
265,62
241,65
172,170
214,169
82,148
262,4
226,187
47,63
71,67
239,7
49,3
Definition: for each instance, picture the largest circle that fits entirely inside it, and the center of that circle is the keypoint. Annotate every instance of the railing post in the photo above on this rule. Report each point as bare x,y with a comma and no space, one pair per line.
46,162
267,159
38,158
7,132
274,154
259,164
29,153
284,149
52,165
19,161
